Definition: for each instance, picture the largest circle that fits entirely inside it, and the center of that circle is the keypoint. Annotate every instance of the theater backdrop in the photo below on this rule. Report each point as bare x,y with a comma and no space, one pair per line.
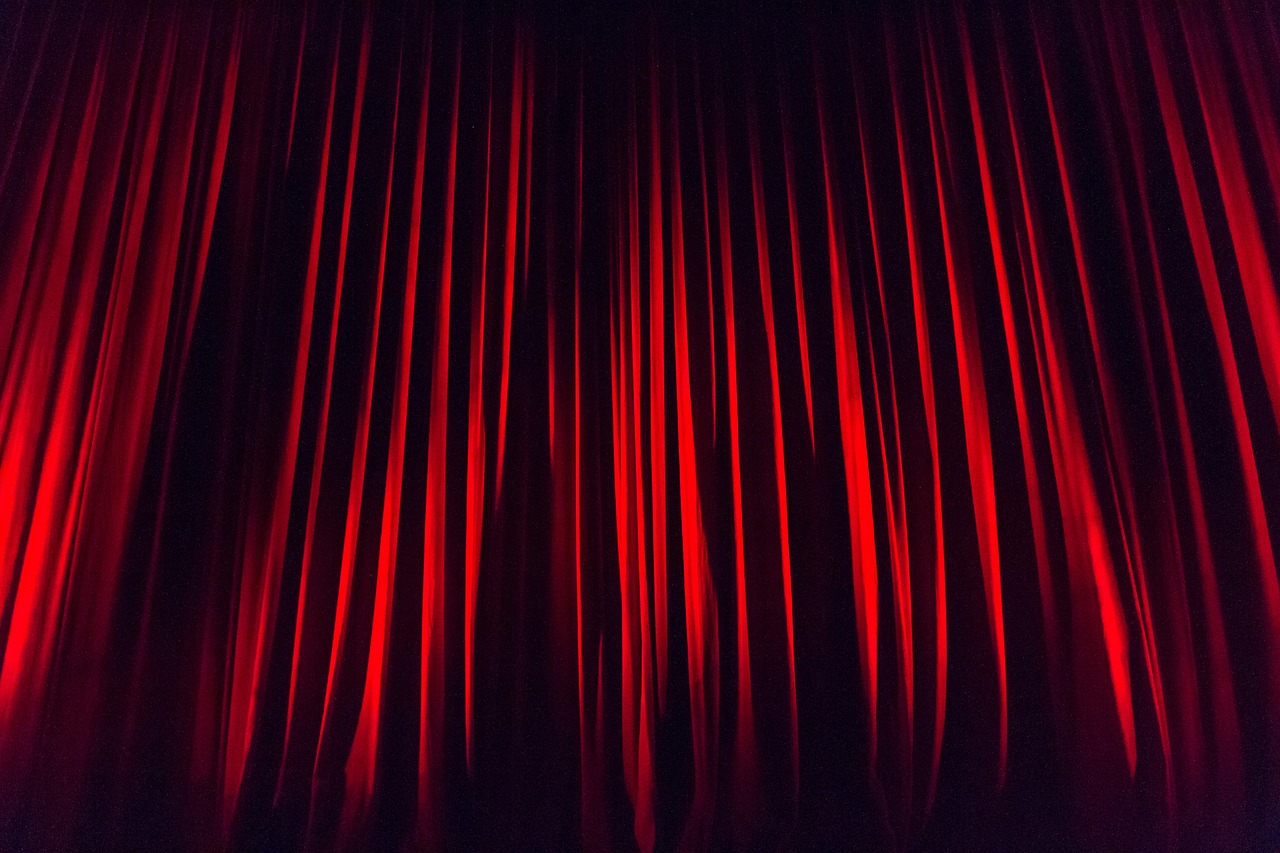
673,426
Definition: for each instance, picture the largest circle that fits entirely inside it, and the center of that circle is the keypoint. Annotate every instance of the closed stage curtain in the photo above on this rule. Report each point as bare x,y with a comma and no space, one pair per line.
607,427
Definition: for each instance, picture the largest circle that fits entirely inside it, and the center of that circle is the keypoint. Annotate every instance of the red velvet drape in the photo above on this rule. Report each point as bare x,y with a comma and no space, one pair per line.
593,428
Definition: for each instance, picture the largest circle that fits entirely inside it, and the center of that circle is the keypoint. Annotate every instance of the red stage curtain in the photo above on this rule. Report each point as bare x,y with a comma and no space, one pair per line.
605,429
